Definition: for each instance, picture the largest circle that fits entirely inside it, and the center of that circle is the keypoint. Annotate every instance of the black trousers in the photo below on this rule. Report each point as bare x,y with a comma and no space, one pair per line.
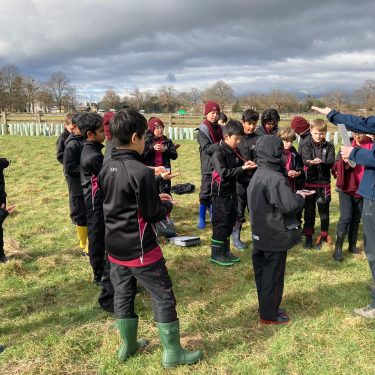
269,271
156,281
205,192
107,294
77,210
310,211
241,203
95,233
224,215
350,213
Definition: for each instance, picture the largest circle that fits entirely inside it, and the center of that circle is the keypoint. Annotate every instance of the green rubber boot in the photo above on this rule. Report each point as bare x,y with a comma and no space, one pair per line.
128,331
174,354
218,249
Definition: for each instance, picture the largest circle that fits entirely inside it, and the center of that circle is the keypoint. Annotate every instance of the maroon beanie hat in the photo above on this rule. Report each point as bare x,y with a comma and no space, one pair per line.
153,123
106,120
211,106
299,125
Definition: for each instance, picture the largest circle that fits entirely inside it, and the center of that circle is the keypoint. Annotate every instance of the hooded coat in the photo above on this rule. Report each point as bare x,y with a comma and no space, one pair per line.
272,204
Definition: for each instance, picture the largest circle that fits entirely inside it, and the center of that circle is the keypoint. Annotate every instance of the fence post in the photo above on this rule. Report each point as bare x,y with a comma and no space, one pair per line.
328,136
191,134
170,132
175,131
181,135
4,118
170,119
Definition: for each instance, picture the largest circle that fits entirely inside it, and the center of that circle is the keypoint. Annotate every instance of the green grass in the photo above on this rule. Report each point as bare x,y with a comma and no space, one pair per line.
51,324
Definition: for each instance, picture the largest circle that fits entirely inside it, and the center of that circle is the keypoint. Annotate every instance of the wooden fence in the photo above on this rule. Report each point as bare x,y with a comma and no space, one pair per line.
177,127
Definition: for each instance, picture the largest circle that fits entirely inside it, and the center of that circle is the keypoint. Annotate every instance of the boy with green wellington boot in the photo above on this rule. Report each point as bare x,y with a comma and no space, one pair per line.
131,208
228,164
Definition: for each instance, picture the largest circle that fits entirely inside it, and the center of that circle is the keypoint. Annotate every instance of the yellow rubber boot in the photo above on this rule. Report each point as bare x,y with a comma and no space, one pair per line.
82,236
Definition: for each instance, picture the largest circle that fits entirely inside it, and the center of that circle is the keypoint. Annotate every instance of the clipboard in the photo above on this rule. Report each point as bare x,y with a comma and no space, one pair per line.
346,141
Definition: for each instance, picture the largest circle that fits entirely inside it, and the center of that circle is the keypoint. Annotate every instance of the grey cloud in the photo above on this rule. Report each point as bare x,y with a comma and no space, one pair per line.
262,45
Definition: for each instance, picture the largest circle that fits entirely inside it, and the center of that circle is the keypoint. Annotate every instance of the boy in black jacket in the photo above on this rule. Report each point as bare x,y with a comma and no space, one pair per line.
248,151
71,161
60,144
209,136
318,155
273,208
92,129
228,164
159,150
131,207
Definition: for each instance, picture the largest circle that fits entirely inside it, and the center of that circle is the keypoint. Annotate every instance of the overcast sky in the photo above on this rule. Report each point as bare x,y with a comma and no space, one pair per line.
255,45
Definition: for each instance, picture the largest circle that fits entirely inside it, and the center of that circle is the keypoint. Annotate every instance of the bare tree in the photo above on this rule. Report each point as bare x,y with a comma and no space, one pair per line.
59,86
366,95
31,91
191,99
251,100
70,99
44,97
137,98
220,92
110,100
281,100
12,86
167,96
335,99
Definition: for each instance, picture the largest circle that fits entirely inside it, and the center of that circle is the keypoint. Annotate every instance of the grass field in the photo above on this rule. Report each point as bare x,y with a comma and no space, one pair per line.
50,322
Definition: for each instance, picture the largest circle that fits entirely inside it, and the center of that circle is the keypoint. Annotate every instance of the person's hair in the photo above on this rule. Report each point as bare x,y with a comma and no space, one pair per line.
249,115
68,119
233,127
223,117
89,122
270,115
75,118
319,124
287,134
124,124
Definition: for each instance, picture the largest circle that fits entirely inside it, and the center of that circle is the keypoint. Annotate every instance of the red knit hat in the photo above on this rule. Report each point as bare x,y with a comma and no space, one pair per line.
211,106
299,125
106,120
153,123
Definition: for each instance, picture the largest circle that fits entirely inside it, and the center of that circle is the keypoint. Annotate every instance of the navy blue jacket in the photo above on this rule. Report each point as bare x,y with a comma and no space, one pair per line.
359,155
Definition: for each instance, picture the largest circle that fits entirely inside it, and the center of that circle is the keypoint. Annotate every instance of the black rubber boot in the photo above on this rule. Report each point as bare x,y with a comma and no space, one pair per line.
337,254
217,253
308,242
352,238
236,237
228,254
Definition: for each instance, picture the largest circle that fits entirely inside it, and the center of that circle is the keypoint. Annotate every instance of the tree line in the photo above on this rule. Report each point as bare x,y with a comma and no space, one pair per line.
20,93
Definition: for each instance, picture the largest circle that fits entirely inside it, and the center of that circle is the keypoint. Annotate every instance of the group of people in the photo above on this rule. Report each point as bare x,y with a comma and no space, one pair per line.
242,165
116,199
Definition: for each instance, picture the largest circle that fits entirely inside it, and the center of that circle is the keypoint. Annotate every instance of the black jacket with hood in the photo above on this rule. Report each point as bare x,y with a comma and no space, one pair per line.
169,154
248,150
272,204
319,174
131,205
91,165
71,161
206,147
227,163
